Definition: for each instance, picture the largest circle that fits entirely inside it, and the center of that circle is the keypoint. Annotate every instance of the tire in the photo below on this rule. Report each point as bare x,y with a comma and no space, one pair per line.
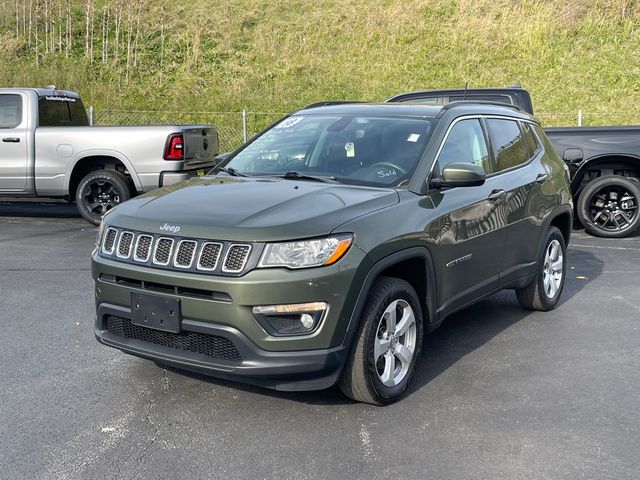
608,206
364,378
543,293
99,191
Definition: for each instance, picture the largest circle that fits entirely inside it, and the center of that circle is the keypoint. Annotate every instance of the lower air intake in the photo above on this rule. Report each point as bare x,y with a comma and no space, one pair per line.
211,346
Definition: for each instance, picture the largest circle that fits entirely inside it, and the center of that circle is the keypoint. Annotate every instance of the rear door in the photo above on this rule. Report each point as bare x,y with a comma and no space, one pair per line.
13,143
470,241
518,172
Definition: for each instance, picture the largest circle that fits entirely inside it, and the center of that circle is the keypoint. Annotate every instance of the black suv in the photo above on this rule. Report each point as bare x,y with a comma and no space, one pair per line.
321,251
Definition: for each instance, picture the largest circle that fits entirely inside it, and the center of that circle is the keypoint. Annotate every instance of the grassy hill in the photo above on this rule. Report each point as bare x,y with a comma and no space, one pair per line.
275,56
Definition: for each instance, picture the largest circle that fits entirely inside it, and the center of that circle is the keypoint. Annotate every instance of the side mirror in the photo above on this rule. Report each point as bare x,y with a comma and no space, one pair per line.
460,175
573,155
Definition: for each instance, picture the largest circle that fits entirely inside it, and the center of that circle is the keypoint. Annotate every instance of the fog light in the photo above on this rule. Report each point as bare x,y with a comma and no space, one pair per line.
307,321
294,319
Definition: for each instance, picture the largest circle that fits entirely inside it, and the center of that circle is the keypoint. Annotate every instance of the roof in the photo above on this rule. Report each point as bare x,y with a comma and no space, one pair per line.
413,109
43,92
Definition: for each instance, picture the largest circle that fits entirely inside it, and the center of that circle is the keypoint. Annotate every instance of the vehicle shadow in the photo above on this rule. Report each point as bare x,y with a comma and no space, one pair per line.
460,334
41,209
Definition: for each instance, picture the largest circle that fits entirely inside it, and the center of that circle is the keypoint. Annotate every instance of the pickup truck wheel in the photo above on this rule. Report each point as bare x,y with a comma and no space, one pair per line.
544,292
383,358
100,191
608,206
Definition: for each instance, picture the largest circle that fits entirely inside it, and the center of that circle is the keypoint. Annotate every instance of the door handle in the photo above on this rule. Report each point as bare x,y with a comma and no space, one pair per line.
11,140
497,196
543,177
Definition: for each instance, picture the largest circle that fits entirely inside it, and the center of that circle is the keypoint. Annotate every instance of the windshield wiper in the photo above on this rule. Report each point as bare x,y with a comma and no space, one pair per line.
295,175
232,171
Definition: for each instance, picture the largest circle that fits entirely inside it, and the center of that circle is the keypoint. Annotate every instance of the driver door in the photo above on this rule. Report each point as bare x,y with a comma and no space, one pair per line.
470,240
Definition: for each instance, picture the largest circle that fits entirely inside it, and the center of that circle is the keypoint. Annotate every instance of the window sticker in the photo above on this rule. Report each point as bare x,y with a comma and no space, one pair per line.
351,149
289,122
413,137
60,99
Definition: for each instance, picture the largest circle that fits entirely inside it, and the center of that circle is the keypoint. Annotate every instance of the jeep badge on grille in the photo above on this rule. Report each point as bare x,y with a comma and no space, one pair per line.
170,228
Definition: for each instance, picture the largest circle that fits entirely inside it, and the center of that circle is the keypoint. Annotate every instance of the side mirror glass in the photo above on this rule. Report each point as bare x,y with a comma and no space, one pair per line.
460,175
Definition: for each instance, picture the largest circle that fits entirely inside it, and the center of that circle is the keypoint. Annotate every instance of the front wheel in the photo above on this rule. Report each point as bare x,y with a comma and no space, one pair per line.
544,292
383,358
99,191
608,206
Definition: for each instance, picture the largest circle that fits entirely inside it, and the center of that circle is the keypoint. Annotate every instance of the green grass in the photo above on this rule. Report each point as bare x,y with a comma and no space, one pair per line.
275,56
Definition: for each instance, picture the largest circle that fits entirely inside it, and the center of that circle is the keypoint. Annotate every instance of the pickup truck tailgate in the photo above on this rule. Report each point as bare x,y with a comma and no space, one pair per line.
200,146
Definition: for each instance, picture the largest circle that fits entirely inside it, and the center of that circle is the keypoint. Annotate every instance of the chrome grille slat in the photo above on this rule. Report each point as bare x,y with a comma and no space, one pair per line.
184,253
236,258
109,243
142,252
162,251
125,244
209,255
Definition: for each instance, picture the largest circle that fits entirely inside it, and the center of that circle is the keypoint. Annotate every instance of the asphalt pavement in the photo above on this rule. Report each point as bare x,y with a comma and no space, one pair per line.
499,393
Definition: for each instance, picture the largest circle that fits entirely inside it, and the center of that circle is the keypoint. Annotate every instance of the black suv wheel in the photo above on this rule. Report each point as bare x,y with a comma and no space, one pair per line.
389,340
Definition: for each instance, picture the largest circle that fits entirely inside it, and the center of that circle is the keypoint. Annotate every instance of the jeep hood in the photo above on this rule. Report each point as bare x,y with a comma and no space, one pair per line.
249,209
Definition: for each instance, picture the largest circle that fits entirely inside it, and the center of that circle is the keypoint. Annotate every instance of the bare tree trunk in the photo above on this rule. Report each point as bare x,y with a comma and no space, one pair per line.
69,36
46,26
59,26
17,21
36,31
30,20
162,16
129,22
135,43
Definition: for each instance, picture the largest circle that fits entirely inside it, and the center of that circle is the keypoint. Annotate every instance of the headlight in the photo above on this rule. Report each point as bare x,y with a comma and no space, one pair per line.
306,253
100,232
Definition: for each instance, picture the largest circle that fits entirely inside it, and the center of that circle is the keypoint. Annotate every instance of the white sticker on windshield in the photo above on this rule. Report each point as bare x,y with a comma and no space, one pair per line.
289,122
413,137
351,149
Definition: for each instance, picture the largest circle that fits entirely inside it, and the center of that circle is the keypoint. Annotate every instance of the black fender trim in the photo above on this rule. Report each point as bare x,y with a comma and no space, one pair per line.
421,253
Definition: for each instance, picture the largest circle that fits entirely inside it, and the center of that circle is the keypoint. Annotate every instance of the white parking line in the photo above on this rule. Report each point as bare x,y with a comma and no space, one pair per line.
602,246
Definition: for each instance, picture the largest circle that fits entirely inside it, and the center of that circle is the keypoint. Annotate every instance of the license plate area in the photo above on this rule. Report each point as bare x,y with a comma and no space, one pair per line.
156,312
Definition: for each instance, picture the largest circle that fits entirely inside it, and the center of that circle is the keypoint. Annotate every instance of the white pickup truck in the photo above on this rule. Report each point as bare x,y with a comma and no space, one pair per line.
48,149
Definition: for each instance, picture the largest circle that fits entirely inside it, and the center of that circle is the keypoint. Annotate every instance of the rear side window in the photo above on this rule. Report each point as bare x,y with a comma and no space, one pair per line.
529,139
10,110
510,149
61,112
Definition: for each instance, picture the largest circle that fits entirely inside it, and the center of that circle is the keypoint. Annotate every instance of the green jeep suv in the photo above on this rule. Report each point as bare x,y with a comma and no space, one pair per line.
323,250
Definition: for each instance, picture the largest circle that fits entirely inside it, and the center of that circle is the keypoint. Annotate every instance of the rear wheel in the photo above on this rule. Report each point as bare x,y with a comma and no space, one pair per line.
383,359
544,292
100,191
608,206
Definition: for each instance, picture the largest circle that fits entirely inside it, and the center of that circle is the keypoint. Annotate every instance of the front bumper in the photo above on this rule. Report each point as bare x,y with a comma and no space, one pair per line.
302,370
304,362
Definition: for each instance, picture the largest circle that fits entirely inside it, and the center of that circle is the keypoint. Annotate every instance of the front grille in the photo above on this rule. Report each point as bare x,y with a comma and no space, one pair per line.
163,251
236,258
109,240
143,248
124,247
185,253
212,346
209,256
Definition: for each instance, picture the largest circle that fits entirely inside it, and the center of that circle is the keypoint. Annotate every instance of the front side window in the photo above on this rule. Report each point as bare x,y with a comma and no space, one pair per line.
465,143
353,149
510,149
10,110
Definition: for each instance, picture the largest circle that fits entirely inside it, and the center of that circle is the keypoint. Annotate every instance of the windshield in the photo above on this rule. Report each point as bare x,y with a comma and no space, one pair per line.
377,151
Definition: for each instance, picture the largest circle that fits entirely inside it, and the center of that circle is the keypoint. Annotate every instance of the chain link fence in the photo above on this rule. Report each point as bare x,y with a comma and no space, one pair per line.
233,127
236,127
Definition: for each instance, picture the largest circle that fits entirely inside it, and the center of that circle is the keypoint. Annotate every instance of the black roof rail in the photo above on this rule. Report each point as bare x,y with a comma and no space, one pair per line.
329,102
460,103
